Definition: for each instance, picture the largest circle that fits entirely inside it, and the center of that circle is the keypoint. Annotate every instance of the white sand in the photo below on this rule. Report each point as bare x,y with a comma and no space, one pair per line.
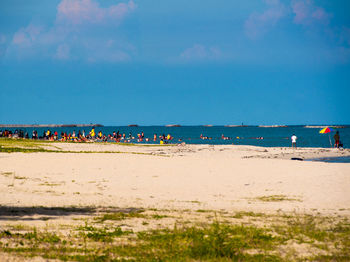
177,177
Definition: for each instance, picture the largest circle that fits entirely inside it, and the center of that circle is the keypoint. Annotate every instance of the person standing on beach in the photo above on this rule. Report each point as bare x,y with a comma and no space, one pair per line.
92,133
336,139
294,141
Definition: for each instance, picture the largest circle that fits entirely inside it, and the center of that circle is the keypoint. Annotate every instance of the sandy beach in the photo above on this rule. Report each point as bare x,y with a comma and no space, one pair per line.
177,177
59,192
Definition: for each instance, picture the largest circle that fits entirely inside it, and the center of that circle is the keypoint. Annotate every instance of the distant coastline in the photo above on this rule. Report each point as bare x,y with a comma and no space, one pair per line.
342,126
53,125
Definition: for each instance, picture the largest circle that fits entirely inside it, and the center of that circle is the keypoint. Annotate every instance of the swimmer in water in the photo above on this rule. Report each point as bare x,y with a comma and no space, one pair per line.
224,137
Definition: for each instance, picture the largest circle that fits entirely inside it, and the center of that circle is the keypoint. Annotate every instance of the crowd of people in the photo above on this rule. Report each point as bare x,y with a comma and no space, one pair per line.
93,135
82,136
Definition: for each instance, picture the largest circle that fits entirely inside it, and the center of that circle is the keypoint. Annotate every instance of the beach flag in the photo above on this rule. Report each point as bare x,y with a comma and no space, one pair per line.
327,130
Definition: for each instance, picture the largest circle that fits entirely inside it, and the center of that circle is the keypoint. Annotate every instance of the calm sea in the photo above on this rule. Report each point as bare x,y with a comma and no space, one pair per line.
241,135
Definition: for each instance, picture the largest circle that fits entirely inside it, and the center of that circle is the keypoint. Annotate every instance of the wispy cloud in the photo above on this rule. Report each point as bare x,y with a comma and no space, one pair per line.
27,35
259,24
316,21
73,35
76,12
200,52
307,13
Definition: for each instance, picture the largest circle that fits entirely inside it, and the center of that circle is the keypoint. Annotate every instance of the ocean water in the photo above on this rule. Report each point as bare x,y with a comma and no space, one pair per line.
240,135
340,159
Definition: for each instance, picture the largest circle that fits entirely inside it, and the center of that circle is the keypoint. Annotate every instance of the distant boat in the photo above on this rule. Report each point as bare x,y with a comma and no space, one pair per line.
133,125
208,125
172,125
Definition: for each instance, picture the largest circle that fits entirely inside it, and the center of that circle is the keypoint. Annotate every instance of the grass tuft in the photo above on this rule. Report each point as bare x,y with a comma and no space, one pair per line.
275,198
120,216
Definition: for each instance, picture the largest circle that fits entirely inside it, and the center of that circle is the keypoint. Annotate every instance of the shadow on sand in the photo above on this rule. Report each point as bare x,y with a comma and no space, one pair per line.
41,213
47,213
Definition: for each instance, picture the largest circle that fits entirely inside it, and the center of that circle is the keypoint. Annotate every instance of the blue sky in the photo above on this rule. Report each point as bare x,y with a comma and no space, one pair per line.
175,62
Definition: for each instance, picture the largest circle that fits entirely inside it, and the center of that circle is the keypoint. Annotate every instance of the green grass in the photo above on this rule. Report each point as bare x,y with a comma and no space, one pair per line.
242,214
24,150
102,234
23,142
32,237
275,198
104,238
40,150
120,216
8,145
213,242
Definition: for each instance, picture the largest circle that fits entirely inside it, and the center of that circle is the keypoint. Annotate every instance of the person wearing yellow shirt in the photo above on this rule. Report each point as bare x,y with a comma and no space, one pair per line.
92,132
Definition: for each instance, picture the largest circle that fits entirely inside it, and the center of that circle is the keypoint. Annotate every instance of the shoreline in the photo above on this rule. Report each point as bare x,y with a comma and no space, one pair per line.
91,146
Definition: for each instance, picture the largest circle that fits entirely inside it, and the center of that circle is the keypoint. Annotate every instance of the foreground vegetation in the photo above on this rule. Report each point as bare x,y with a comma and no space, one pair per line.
202,235
9,145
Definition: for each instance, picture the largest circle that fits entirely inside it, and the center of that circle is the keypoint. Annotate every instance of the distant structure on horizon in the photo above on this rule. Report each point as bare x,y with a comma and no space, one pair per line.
235,125
272,126
310,126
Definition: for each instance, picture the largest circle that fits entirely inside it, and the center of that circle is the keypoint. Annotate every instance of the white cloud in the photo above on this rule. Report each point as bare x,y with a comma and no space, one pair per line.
260,23
76,12
73,35
200,52
27,35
